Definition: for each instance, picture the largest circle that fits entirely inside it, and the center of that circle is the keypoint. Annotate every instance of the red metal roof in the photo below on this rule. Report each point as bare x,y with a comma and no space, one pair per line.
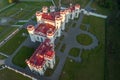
50,16
44,50
72,8
44,28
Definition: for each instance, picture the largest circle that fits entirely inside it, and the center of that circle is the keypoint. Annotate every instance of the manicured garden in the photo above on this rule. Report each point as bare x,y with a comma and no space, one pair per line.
62,49
74,52
23,54
83,27
10,46
92,65
84,39
7,74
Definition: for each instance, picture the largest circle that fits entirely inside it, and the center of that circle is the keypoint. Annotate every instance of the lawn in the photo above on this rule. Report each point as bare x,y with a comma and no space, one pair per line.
20,23
92,66
100,10
83,27
7,74
63,47
84,39
3,3
74,25
10,46
2,57
74,52
6,31
67,2
28,9
1,29
23,54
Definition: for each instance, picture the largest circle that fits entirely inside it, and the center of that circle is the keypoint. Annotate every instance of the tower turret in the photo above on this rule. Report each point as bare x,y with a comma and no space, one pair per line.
58,24
50,35
62,13
45,9
52,8
30,30
67,12
77,10
39,16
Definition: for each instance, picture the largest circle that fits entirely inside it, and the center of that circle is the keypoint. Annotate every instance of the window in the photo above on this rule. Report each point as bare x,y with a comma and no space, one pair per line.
41,39
38,38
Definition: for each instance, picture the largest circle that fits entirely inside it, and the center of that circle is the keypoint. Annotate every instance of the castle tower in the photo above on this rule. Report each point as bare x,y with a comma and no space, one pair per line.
29,65
52,8
62,13
39,16
67,12
30,30
58,24
44,9
77,10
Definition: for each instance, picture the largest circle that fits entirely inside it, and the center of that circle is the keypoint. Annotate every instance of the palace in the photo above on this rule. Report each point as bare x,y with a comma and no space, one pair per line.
48,28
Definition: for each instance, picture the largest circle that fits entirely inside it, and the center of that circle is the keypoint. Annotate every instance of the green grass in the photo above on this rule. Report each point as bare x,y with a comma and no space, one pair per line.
74,52
67,2
61,37
6,31
2,57
1,28
10,46
3,3
57,45
20,23
92,66
83,27
68,25
29,8
7,74
99,9
49,72
23,54
74,25
63,48
84,39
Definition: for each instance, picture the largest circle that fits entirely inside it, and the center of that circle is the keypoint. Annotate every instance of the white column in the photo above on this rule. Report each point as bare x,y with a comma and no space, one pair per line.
77,13
67,18
63,25
59,32
73,15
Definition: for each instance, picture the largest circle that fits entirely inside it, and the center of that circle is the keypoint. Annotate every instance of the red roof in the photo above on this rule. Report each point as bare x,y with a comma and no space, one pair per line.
44,28
72,8
44,50
50,16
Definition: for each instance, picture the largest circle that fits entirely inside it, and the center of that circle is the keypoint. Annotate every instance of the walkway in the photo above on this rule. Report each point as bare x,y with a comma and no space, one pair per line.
3,54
